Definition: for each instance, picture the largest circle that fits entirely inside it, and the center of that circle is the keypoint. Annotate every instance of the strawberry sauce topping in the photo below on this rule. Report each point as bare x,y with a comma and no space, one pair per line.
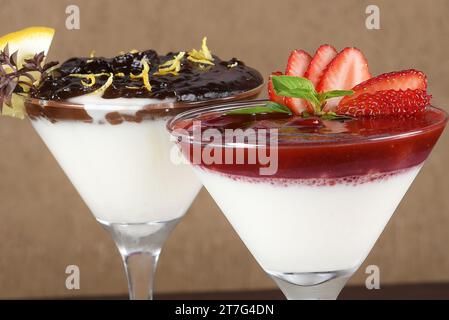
312,148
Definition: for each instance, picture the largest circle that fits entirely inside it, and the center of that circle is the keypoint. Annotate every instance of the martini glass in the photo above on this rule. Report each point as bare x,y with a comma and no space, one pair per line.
119,158
311,222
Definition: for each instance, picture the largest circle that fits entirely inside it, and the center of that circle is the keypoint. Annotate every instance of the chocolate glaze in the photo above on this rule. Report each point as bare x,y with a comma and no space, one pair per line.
194,82
56,112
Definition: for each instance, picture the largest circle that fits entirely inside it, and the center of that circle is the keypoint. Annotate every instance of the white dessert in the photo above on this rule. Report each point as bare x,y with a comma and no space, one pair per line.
297,227
123,172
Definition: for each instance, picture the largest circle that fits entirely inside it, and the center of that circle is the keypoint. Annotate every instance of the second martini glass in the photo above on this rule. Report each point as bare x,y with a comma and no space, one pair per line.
311,221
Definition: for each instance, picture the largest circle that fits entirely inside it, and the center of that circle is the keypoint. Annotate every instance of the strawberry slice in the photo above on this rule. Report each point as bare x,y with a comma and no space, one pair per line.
346,70
271,93
297,64
386,103
398,80
323,56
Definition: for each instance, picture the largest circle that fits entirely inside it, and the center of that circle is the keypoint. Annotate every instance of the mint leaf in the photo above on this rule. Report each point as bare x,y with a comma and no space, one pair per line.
277,107
287,83
302,88
296,87
334,116
335,93
294,93
269,107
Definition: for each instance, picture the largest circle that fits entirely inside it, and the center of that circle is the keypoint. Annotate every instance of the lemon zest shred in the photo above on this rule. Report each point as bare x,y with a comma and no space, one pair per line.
119,74
203,56
172,66
106,85
144,75
203,61
133,51
92,79
232,65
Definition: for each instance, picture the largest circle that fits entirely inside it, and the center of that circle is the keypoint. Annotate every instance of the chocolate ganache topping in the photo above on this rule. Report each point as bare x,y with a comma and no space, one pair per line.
193,81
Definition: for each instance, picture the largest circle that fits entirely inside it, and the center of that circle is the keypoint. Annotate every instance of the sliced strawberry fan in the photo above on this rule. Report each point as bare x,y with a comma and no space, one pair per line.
389,94
327,70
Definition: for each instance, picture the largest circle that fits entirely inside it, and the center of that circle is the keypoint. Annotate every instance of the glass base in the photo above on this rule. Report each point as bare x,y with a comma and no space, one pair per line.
140,245
312,285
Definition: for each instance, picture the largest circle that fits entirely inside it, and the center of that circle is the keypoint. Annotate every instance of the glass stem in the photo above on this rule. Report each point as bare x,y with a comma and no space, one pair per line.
140,269
140,245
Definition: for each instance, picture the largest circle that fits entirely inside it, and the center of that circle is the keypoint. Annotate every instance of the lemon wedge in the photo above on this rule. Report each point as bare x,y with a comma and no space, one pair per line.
27,42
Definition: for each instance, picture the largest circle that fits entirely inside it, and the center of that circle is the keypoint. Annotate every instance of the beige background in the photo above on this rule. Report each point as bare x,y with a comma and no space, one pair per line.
44,224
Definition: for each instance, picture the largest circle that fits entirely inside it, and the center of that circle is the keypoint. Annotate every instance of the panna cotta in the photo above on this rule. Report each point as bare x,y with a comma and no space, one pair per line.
335,187
123,172
104,120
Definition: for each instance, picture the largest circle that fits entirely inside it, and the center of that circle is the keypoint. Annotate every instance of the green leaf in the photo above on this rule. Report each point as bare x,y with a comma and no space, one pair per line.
269,107
296,87
287,83
277,107
335,93
295,93
334,116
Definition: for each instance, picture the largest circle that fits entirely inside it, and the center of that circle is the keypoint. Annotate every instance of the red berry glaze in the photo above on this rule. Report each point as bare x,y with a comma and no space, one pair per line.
331,149
305,122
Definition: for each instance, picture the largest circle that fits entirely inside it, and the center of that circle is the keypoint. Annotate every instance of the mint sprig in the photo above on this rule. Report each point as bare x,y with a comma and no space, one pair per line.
269,107
298,87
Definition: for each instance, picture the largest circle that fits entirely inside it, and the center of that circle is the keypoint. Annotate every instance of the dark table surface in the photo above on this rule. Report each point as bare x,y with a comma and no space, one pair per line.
402,291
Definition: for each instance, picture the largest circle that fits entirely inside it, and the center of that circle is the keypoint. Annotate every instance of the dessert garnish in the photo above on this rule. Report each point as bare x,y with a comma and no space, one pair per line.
335,85
191,76
172,66
20,69
394,93
203,55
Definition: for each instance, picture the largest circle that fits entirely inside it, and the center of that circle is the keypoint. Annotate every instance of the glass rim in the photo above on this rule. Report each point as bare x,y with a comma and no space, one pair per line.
241,104
64,104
